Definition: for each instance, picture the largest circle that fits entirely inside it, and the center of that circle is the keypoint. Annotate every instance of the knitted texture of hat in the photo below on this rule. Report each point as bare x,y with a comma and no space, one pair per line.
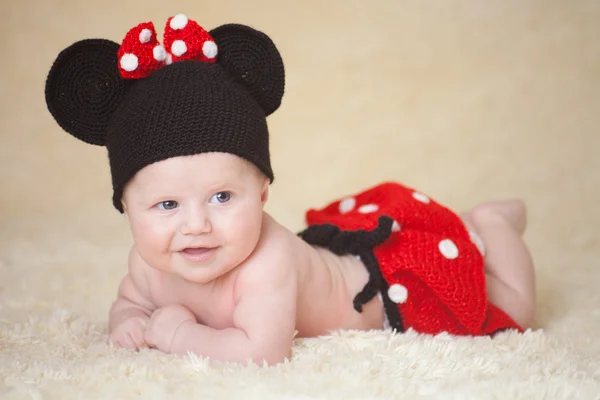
186,108
179,109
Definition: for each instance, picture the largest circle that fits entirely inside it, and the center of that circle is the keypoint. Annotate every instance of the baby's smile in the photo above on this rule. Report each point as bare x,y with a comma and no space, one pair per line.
198,254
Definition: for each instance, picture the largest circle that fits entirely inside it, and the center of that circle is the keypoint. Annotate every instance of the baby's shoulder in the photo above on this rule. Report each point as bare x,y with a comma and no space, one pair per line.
276,253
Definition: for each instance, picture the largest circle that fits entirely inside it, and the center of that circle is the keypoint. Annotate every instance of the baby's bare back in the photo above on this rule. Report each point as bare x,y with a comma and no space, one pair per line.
327,289
326,286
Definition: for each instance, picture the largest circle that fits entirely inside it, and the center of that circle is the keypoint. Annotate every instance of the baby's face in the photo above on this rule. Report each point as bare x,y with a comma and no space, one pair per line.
196,216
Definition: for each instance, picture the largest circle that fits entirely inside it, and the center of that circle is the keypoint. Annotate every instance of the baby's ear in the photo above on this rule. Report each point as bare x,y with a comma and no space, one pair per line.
124,207
84,87
252,59
264,194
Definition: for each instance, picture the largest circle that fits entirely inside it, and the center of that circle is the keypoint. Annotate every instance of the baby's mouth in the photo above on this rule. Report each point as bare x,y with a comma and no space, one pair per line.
197,251
198,254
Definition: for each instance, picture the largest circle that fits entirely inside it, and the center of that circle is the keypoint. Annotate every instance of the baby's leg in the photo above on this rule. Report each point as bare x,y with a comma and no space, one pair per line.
510,279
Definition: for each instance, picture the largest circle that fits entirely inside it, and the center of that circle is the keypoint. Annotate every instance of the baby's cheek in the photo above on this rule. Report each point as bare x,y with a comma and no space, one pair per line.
243,232
154,238
249,233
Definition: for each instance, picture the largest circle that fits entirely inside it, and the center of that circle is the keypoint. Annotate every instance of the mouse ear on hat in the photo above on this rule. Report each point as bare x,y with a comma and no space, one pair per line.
83,88
252,59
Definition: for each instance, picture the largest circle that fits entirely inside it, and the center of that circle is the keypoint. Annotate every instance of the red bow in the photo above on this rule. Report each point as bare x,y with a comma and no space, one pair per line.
140,53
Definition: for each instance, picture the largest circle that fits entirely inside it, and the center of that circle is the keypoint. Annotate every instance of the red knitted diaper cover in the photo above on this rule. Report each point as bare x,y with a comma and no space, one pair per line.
427,266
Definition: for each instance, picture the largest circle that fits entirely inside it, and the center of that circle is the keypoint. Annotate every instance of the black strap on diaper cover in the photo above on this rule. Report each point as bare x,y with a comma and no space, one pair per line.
360,243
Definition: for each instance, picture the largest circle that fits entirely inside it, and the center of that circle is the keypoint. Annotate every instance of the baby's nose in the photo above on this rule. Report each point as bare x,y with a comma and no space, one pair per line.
196,222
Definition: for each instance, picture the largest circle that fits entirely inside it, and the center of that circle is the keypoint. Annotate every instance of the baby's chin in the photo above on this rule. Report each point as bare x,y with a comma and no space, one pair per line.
202,273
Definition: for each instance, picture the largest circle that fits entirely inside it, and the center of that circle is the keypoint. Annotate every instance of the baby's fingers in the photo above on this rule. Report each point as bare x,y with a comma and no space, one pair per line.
138,341
123,341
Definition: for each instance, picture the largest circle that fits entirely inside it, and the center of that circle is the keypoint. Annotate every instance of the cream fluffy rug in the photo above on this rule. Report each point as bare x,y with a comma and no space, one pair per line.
466,100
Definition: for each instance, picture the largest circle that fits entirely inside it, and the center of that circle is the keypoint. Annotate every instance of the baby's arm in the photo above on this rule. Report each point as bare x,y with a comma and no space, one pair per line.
264,319
130,312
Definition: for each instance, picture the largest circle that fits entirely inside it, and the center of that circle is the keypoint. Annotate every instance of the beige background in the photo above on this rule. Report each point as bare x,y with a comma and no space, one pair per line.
465,100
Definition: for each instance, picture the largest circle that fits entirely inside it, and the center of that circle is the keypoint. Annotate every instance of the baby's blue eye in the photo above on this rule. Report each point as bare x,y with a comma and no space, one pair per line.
221,197
167,205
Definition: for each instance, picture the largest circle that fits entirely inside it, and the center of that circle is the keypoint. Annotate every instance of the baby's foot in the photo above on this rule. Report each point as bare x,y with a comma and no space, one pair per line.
511,211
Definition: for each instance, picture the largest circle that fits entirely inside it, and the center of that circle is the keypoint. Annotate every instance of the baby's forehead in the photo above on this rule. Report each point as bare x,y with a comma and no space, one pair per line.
205,168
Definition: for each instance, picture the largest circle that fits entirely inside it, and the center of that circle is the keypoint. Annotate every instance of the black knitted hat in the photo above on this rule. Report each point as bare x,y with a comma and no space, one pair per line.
164,105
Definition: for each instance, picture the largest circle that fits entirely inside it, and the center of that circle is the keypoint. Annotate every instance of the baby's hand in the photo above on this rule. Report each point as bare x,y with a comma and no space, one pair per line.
164,323
129,333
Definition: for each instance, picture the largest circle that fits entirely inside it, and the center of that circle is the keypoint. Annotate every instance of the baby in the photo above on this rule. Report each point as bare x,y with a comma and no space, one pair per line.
210,272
